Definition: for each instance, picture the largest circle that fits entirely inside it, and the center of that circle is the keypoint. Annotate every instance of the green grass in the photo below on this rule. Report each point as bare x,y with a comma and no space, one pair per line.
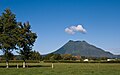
65,69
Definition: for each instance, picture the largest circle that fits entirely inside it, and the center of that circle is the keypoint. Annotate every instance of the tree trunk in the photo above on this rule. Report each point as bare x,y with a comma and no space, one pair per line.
24,63
7,63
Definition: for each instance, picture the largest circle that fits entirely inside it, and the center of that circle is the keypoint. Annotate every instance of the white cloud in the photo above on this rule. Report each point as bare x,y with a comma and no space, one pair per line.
73,29
69,31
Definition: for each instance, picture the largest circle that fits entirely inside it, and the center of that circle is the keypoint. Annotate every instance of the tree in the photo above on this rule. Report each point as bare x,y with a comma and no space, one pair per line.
8,27
56,57
11,56
25,41
48,56
67,57
35,55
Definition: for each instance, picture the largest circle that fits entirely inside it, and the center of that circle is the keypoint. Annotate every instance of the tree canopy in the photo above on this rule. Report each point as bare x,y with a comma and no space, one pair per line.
8,28
26,39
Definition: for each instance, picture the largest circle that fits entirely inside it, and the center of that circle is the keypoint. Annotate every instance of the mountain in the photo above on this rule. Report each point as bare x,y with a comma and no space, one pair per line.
83,48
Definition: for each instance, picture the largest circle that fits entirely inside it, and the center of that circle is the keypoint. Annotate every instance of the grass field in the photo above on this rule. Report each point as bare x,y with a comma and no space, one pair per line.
65,69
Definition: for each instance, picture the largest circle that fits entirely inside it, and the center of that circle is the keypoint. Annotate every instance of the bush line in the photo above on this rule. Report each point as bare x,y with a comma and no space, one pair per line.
70,61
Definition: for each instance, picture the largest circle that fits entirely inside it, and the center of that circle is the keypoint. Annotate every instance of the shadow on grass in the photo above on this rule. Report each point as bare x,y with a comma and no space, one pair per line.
27,66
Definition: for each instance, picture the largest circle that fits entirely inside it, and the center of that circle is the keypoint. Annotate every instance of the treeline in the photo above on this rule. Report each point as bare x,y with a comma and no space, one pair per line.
60,57
68,58
35,55
52,56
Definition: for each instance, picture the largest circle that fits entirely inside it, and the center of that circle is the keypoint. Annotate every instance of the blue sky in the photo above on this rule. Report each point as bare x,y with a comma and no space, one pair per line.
50,18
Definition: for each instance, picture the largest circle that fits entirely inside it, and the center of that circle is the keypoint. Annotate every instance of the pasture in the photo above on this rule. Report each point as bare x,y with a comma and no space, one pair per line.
64,69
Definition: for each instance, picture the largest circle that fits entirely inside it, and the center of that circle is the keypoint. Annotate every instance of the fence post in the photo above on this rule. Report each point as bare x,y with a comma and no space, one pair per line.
52,66
17,66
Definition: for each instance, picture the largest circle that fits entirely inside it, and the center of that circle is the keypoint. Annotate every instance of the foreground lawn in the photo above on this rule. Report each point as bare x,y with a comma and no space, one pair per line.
66,69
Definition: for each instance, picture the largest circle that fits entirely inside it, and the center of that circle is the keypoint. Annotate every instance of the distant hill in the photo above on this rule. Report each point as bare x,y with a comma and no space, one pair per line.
83,48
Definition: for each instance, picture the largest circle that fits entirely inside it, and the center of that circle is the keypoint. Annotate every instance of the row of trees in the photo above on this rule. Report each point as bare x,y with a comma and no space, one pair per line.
70,57
15,36
61,57
34,55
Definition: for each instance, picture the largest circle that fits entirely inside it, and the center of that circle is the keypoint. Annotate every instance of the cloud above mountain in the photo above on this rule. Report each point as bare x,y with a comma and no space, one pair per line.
74,29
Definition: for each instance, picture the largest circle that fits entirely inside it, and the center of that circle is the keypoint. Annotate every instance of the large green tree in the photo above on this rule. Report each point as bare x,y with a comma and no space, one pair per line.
26,40
8,29
15,35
